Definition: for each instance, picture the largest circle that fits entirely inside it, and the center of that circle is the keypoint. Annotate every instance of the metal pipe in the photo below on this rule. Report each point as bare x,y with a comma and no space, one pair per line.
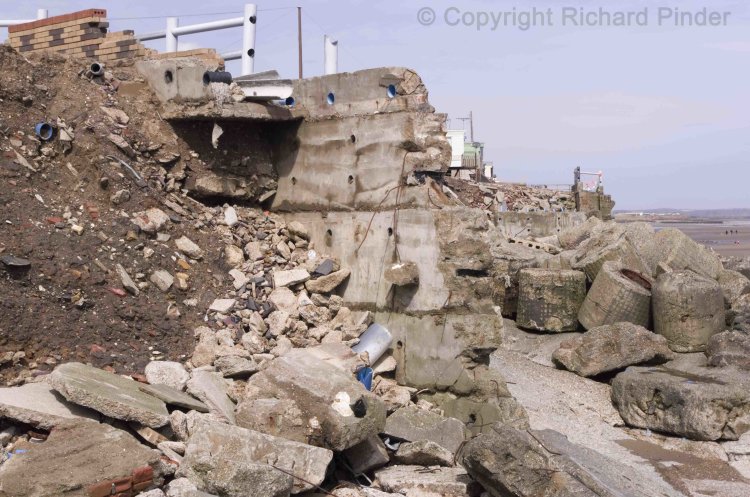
172,23
299,39
151,36
249,21
4,23
330,55
237,54
208,26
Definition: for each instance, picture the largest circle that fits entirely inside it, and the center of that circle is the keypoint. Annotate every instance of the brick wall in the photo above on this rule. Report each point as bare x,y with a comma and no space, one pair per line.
84,33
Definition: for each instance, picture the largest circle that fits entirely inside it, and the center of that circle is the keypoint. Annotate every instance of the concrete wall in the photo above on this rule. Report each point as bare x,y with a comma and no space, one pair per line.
537,224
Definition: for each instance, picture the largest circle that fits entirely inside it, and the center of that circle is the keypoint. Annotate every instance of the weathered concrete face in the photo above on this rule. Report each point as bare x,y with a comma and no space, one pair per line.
176,79
538,224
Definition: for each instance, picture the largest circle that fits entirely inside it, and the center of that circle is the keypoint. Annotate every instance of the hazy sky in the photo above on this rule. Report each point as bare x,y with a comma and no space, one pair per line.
663,110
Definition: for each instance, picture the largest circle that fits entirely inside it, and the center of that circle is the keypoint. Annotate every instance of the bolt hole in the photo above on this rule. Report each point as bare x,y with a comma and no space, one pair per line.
294,180
353,139
400,344
472,418
390,231
329,233
168,77
252,19
331,98
251,52
351,179
391,91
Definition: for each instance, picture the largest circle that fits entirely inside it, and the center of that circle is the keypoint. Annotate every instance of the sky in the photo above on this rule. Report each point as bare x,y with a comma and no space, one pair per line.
661,107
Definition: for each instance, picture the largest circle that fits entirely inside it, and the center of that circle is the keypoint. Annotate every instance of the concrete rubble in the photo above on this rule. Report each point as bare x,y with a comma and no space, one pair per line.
228,286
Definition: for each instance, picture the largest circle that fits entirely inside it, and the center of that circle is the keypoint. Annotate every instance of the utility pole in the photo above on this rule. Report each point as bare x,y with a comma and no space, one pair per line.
299,38
471,125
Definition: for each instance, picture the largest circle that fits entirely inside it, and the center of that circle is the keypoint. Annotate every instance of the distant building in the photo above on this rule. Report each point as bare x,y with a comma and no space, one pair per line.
467,158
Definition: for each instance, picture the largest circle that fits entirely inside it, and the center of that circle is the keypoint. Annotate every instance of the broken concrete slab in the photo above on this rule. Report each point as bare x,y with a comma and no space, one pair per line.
213,390
170,373
150,221
529,463
290,277
367,455
418,481
347,413
610,348
424,453
696,402
549,300
236,462
222,305
110,394
729,348
173,397
617,295
278,417
80,457
328,283
39,405
182,487
402,274
414,424
162,279
235,366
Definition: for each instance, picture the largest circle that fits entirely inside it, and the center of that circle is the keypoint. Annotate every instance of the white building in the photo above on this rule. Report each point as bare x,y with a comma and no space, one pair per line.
457,138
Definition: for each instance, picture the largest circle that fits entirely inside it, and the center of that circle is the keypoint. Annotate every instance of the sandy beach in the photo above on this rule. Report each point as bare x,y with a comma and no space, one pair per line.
715,236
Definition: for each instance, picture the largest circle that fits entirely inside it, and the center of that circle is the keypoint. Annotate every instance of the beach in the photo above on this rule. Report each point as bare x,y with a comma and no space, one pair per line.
714,235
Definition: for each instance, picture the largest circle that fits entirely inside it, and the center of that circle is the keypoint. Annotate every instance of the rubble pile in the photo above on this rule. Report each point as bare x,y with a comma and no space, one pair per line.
513,197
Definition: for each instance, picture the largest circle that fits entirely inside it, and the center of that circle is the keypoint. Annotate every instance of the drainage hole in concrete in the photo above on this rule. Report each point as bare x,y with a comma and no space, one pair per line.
473,273
400,344
331,98
168,77
390,231
391,92
353,138
351,179
329,233
294,180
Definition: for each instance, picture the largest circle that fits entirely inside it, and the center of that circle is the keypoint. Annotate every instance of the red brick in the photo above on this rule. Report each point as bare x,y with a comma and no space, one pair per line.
81,14
101,489
142,474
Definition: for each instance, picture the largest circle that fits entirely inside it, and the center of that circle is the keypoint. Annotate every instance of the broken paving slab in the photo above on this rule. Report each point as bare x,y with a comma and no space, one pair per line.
530,463
78,458
213,389
236,462
39,405
173,397
290,277
424,453
413,424
108,393
433,481
345,412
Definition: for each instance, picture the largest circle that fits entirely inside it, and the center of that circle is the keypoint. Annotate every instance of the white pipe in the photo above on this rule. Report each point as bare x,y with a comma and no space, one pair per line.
42,14
172,23
207,26
4,23
151,36
249,22
237,54
330,55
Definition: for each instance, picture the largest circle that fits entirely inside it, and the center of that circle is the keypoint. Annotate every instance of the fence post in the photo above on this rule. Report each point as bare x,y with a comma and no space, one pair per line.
172,23
330,55
248,38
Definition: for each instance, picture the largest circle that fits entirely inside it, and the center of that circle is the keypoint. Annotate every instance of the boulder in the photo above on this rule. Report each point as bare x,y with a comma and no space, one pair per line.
110,394
729,348
172,374
327,283
80,457
417,481
424,453
413,424
345,412
688,310
697,402
532,463
38,405
213,390
549,300
612,347
674,248
617,295
236,462
733,284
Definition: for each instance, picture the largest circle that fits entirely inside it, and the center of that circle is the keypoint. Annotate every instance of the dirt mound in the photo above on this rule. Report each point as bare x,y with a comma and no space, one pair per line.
66,208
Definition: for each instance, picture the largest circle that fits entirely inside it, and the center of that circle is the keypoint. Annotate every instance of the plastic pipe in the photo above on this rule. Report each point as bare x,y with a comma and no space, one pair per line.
97,69
44,131
374,341
330,55
217,77
172,23
249,22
